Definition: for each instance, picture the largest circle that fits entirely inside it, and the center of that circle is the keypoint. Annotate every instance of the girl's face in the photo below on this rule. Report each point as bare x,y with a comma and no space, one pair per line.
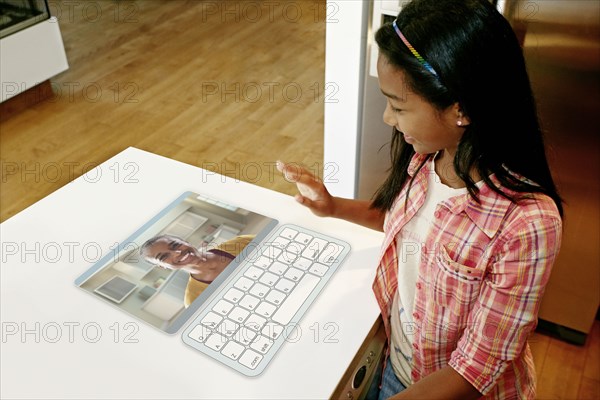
425,127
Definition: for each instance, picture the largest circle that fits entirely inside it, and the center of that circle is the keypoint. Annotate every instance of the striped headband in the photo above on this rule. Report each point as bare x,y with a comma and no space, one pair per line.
414,52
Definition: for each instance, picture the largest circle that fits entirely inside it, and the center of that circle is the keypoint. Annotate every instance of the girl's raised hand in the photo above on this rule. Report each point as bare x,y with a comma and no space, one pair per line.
313,193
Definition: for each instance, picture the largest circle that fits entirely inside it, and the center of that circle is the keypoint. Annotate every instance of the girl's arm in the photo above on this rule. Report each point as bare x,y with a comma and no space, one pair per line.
315,196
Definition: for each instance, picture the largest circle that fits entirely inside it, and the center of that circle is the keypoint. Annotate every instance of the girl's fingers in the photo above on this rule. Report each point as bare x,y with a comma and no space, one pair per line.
296,173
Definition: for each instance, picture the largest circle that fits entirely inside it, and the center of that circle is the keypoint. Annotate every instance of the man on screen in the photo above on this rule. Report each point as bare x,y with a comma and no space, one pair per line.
172,252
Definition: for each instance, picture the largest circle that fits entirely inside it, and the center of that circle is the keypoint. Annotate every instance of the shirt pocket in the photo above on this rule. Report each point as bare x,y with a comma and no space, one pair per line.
455,286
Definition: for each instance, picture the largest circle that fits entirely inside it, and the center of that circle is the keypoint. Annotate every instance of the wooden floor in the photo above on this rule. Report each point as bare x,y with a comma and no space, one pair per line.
567,371
227,86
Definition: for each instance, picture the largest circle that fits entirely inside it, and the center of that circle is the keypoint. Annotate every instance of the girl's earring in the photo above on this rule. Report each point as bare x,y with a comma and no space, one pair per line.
459,122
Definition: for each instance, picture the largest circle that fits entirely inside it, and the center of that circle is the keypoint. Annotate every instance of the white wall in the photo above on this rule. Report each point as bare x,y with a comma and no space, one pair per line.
344,61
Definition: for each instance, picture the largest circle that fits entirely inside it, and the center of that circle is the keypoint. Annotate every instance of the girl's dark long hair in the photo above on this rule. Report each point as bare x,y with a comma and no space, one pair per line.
481,67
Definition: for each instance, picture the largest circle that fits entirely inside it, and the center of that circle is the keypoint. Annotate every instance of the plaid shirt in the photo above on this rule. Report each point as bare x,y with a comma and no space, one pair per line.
484,267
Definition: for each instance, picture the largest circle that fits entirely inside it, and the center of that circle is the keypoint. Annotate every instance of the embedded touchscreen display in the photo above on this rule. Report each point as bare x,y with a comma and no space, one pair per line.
164,271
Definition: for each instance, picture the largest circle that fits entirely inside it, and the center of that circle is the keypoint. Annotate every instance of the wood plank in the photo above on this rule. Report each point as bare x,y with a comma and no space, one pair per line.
140,74
539,349
592,362
562,371
590,382
589,389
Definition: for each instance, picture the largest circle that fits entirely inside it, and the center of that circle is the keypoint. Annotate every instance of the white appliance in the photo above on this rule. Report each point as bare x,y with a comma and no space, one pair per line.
32,50
356,154
375,135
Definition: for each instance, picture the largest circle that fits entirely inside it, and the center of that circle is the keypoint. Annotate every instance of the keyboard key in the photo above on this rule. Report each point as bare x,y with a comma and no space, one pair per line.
294,274
259,290
263,262
250,359
330,253
278,268
200,333
266,309
295,248
272,252
285,285
233,295
294,301
272,330
211,320
255,322
275,296
302,263
289,233
239,314
253,273
249,302
244,283
269,279
261,344
287,257
228,328
244,335
303,238
318,269
223,307
216,341
315,248
280,242
233,350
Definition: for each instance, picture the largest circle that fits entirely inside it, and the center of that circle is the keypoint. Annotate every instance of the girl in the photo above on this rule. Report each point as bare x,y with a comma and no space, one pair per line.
471,215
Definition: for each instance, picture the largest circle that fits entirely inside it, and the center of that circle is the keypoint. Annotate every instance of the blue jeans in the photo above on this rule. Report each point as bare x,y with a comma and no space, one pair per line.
390,385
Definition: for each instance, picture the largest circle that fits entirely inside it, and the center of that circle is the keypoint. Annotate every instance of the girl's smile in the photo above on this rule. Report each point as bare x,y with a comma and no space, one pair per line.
424,127
408,139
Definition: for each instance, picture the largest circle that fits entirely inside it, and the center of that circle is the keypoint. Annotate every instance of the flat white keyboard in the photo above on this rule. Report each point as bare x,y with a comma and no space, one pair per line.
244,323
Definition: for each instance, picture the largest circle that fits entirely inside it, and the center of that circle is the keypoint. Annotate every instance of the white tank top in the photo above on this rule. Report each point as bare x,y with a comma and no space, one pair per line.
410,241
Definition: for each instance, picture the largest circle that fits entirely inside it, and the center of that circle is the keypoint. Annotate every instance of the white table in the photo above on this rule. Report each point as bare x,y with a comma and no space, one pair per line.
59,342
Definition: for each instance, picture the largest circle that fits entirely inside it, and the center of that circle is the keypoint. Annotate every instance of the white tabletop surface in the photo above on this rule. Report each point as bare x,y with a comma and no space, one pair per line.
59,342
